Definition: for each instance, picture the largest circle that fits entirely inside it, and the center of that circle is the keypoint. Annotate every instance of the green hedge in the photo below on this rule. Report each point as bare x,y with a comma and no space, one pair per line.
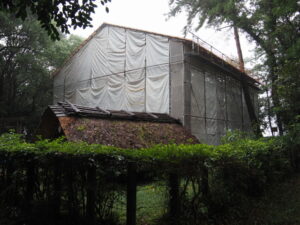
213,180
266,154
241,149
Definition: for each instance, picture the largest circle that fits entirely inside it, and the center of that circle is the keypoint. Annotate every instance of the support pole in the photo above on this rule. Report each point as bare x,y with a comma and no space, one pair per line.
131,193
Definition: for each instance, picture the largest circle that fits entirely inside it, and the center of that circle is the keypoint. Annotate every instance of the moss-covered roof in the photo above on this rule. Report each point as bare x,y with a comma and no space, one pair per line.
136,130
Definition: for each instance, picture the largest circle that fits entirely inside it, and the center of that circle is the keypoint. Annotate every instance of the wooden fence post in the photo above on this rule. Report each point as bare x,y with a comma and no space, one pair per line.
174,200
30,180
57,190
91,195
70,193
131,194
204,183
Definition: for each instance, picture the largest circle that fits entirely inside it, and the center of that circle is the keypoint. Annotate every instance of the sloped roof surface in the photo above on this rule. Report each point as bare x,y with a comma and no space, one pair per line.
116,128
203,50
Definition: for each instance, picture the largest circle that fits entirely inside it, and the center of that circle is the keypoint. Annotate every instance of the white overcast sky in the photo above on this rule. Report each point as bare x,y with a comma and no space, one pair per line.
150,15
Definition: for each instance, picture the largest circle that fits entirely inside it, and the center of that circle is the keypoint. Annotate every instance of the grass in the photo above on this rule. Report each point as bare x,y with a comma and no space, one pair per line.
280,205
151,201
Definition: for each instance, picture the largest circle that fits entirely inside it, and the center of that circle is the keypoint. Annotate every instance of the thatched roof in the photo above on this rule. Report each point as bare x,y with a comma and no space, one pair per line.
116,128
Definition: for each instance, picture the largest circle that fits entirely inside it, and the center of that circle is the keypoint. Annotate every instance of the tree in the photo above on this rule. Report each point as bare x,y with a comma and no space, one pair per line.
58,52
27,57
272,24
53,14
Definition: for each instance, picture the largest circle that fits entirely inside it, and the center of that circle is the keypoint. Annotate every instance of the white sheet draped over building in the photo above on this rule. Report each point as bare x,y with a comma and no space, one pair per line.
126,69
118,69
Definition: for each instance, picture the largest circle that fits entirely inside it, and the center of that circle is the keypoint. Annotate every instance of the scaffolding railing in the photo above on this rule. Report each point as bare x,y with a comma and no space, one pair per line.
201,43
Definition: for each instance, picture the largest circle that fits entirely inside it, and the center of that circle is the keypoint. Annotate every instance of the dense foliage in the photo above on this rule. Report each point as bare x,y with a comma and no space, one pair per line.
54,14
234,144
27,57
274,26
215,181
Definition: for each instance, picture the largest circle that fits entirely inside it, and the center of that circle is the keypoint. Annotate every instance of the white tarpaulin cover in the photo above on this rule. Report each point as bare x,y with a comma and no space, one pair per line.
118,69
126,69
217,105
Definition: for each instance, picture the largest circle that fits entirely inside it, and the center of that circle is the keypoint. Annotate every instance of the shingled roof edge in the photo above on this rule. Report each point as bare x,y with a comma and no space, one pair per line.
65,109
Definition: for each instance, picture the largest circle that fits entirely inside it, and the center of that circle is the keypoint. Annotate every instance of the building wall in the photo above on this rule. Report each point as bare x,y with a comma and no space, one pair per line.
214,101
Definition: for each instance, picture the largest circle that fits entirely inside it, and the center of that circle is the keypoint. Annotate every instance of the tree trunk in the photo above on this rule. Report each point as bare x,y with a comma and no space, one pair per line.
239,49
273,77
272,24
269,112
250,106
1,89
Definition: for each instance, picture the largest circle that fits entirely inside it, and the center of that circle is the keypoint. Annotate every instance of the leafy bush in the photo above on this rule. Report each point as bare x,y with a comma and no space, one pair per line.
214,180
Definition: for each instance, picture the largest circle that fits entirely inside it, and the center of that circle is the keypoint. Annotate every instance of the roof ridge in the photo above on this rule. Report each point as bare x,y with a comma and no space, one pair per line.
146,31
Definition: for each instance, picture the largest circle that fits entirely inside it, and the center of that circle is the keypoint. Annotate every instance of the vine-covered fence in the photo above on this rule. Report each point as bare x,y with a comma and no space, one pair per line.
56,182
